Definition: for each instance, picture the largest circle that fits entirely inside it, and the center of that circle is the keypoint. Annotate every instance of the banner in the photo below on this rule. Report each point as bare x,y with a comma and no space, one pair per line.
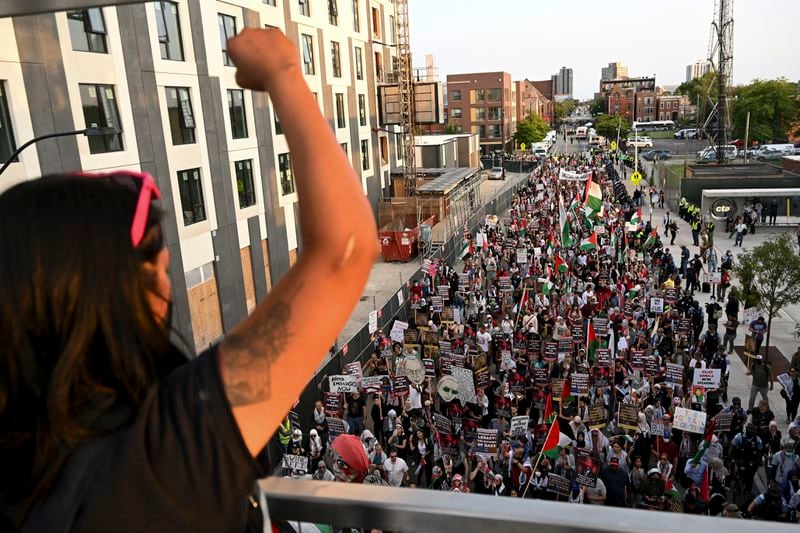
343,383
519,425
707,377
688,420
297,463
568,175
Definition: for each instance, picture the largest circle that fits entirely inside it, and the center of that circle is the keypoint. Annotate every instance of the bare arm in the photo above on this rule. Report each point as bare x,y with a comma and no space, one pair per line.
267,360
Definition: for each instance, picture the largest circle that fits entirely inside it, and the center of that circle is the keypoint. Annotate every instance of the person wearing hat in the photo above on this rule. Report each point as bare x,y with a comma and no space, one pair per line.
616,482
732,511
762,378
458,484
322,473
652,489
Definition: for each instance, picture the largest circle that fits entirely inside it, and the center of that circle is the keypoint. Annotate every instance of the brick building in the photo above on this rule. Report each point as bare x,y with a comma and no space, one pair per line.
529,100
483,103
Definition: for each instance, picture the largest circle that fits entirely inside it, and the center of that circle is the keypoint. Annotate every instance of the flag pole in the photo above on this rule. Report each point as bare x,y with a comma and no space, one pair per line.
538,460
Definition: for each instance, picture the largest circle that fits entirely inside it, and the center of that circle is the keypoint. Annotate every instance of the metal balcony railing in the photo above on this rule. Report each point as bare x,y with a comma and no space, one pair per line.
418,510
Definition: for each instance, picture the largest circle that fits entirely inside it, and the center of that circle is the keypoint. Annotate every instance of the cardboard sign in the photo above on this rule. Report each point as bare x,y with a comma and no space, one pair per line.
296,463
629,416
343,383
401,385
333,403
587,468
675,373
707,377
689,420
558,484
597,416
540,377
656,305
550,351
579,384
603,356
486,442
519,425
373,322
724,422
749,345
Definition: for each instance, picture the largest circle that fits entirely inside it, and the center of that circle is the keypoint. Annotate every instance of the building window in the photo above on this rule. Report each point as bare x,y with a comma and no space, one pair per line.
191,190
227,29
394,29
376,23
169,30
478,95
362,110
378,67
455,95
87,29
100,111
244,183
7,144
495,113
333,12
365,155
356,17
482,131
269,2
494,131
237,113
181,118
456,112
285,173
359,64
336,60
344,149
384,144
305,7
495,95
480,113
308,54
278,127
341,119
400,144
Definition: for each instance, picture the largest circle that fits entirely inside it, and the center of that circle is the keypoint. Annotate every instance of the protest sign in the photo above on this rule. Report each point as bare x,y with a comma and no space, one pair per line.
576,330
534,346
724,421
587,468
401,385
353,369
411,336
449,314
601,376
550,351
444,425
540,377
600,326
296,463
558,484
656,429
597,416
656,305
689,420
519,425
336,427
675,373
637,359
466,384
437,304
671,296
522,256
443,291
397,330
714,278
502,407
629,415
651,365
343,383
684,326
373,322
707,377
557,387
430,368
579,384
487,442
565,346
372,384
749,345
333,403
603,356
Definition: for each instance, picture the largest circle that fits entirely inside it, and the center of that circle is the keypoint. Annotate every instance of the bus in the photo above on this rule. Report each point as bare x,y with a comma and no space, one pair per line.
654,125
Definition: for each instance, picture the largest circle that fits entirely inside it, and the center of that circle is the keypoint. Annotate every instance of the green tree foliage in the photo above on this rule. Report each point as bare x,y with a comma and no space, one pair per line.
563,109
606,125
598,107
770,277
451,128
774,108
531,130
699,90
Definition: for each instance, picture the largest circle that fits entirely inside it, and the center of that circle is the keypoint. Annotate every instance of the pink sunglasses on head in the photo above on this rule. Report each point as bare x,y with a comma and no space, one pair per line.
147,190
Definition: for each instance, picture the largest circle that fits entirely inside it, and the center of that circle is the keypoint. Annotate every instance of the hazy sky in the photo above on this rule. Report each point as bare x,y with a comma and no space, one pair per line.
534,38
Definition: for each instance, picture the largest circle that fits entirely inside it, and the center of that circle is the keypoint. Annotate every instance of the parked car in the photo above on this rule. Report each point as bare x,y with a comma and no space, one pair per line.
496,173
769,155
709,154
656,155
640,142
688,133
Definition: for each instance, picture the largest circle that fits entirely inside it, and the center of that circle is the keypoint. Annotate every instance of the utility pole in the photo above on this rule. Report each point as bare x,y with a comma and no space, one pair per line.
746,135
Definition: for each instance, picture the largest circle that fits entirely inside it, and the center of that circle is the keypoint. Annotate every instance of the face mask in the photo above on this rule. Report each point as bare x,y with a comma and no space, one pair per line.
538,474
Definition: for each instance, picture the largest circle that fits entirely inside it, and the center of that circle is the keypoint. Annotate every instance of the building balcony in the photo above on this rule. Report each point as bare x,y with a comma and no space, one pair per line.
420,510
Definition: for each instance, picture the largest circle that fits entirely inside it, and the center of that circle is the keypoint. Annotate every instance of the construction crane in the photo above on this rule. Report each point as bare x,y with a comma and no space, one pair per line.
406,88
720,54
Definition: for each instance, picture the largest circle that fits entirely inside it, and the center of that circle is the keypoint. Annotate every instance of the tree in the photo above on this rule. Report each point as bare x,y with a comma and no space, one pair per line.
606,125
774,109
563,109
531,130
598,107
451,128
699,90
770,277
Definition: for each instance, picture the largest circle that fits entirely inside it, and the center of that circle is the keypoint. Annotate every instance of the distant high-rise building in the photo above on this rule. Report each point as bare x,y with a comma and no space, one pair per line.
697,70
614,71
562,84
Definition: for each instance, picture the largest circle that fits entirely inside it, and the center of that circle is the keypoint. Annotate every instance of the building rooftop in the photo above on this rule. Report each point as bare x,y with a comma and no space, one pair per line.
448,179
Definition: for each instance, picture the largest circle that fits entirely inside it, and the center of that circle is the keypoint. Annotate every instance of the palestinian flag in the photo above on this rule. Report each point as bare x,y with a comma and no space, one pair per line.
592,343
589,243
566,391
563,221
549,415
552,444
670,491
701,450
561,265
704,486
651,239
573,207
594,195
550,244
637,217
547,288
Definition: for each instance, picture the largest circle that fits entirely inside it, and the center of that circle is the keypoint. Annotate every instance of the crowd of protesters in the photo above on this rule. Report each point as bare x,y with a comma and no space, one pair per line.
567,360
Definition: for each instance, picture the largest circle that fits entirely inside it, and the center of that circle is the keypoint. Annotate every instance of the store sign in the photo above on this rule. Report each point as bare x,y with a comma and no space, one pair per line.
722,207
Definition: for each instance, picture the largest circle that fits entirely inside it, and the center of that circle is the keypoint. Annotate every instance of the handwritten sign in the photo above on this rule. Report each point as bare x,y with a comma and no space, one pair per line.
656,305
343,383
296,463
689,420
373,322
519,425
656,429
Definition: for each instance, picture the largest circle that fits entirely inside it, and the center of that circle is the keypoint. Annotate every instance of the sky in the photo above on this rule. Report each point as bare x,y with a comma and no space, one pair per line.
534,38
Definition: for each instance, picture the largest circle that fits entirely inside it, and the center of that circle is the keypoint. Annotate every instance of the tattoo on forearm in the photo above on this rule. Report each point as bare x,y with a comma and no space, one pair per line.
248,356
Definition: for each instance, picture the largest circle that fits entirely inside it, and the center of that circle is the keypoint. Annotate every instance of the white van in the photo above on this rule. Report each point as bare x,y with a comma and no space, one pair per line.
786,149
709,154
580,132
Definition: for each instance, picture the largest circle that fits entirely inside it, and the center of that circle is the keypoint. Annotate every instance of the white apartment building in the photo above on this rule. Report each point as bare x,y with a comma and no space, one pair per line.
159,73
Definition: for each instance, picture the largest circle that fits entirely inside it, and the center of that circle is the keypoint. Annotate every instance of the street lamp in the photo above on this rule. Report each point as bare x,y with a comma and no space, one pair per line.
89,132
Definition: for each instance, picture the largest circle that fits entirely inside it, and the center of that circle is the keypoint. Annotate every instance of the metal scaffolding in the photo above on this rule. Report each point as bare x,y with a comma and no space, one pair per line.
406,88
